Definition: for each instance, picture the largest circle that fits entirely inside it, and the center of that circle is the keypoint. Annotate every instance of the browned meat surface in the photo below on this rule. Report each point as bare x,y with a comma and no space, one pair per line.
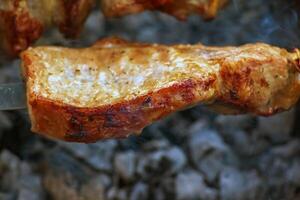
22,22
115,88
178,8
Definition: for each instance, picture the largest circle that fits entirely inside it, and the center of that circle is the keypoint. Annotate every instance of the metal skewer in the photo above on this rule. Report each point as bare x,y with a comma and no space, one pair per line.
12,96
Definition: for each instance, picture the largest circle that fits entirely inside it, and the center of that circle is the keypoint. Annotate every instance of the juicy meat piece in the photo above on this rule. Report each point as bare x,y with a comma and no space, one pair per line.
22,22
116,8
115,88
181,9
206,8
18,28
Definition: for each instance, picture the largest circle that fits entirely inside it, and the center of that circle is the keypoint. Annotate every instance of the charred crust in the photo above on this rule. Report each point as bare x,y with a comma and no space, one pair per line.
234,95
188,96
111,120
74,124
209,82
124,109
147,102
264,83
238,84
90,118
235,81
76,129
75,136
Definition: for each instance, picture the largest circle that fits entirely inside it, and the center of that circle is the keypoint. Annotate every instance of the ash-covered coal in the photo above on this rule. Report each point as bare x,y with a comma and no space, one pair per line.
193,154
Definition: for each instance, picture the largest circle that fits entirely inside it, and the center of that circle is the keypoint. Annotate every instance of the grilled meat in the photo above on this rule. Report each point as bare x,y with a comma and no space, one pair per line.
181,9
22,22
115,88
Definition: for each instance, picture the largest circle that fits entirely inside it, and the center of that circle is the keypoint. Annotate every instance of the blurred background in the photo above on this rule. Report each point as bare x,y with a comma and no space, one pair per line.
193,154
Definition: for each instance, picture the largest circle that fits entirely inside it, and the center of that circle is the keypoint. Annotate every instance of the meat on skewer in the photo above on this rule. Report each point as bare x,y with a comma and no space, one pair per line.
115,88
22,22
181,9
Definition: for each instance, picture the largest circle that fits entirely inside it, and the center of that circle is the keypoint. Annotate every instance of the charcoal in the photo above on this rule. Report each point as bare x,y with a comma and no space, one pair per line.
273,167
277,128
98,155
246,144
17,177
288,150
237,132
229,124
31,187
125,165
175,127
158,194
67,177
151,139
93,31
161,163
156,145
104,179
209,153
167,185
5,122
293,173
25,194
94,189
190,185
7,196
115,193
236,185
197,126
139,192
10,73
9,170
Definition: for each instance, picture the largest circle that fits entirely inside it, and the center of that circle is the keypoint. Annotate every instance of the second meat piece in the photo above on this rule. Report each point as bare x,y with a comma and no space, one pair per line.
23,22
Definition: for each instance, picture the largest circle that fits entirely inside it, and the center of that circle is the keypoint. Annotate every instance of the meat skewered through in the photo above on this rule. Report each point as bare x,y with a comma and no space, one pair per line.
22,22
181,9
115,88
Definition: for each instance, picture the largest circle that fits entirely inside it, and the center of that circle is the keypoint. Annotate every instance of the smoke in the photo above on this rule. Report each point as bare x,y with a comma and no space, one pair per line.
280,25
271,21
